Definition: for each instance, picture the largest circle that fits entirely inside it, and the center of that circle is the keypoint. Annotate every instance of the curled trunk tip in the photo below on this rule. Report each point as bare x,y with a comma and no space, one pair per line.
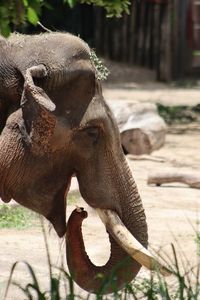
115,273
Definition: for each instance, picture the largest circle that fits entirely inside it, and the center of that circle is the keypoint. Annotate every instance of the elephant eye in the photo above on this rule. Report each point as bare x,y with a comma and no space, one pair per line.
93,133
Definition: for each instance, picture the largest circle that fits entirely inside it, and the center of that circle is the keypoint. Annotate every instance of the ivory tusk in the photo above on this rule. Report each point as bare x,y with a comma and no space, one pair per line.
127,241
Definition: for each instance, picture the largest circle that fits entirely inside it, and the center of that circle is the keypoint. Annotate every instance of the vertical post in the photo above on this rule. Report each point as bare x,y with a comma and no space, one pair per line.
145,30
182,43
163,43
137,31
180,47
99,30
125,44
152,35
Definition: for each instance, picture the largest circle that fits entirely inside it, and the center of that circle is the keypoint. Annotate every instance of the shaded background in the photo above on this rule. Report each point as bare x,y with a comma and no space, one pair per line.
163,35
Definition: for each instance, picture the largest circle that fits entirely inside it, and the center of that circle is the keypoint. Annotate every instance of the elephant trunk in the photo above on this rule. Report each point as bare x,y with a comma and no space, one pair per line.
120,268
96,279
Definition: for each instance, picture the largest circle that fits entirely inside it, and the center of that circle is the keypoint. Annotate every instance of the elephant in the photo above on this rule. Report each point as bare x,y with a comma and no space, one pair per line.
55,124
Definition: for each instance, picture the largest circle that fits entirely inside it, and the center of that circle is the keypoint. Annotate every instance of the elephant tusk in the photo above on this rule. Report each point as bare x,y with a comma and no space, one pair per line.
127,241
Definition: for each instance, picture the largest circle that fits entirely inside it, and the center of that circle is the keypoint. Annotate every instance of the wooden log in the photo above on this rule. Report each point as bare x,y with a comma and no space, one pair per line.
190,178
146,157
142,129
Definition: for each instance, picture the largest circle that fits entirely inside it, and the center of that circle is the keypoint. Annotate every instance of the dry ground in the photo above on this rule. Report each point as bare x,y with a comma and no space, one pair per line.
172,210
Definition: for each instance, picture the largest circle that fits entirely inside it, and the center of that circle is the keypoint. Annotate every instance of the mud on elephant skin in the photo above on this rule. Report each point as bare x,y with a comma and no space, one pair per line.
55,123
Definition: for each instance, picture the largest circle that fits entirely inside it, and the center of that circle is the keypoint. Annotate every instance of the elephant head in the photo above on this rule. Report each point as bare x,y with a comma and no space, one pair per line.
59,125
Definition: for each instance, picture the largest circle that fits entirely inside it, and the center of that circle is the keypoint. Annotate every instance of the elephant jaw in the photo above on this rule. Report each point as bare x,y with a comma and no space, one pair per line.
129,243
57,215
5,198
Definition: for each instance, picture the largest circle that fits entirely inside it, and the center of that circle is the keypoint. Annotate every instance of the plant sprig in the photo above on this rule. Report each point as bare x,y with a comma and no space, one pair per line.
102,70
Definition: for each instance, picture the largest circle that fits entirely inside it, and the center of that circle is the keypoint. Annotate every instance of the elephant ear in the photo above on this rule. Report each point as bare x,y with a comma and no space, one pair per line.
37,108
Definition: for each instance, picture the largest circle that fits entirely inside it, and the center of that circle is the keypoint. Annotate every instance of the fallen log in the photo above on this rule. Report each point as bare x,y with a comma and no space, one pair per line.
190,178
141,128
146,157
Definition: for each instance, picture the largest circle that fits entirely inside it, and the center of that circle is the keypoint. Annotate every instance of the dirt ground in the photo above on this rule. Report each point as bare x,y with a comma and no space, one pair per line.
173,210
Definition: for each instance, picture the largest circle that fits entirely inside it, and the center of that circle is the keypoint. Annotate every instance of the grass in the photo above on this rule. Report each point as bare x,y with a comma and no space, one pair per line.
197,240
14,216
196,53
73,197
186,83
179,114
184,284
153,288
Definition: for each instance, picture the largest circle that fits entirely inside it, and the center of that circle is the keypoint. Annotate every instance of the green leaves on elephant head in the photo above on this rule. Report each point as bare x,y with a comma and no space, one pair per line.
101,71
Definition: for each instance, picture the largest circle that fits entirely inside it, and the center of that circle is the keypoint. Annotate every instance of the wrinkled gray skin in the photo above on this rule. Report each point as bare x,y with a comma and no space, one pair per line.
42,145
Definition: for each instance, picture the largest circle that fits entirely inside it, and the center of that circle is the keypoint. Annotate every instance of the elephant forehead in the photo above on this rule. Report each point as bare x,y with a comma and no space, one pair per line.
49,48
